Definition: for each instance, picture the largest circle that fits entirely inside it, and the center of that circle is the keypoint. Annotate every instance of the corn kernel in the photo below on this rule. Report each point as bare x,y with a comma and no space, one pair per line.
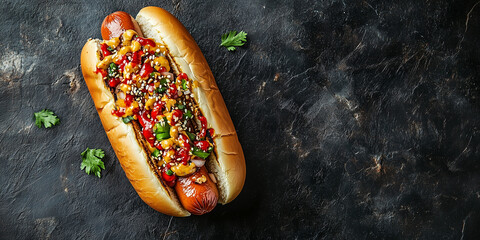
125,87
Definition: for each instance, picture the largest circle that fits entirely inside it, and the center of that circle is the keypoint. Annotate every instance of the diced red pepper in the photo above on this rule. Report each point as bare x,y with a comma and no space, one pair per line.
113,82
183,76
144,120
211,132
177,115
145,41
162,69
148,134
204,145
172,91
118,113
183,155
169,180
158,146
137,57
185,141
102,71
146,70
158,107
128,100
105,50
203,131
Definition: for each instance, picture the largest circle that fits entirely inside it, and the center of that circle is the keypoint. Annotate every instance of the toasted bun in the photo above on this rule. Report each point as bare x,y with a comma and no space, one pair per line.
227,164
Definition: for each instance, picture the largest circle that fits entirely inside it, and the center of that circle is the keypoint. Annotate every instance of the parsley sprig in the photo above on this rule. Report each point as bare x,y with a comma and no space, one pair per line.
231,40
91,161
46,117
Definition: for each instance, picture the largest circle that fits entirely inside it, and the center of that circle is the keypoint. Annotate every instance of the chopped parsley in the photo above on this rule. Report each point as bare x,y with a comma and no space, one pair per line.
231,40
45,117
91,161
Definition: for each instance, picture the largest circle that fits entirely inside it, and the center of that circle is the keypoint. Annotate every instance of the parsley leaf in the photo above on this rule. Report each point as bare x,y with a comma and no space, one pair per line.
46,117
232,39
91,161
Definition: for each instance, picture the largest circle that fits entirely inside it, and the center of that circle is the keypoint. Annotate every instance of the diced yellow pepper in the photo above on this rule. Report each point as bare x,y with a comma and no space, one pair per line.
120,103
174,132
125,87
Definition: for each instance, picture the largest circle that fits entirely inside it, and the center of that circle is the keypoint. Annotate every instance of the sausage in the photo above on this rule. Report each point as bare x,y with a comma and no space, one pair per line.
197,198
117,23
197,192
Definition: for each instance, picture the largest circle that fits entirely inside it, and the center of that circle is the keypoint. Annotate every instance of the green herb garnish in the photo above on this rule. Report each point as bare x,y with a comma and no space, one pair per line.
91,161
184,84
231,40
46,117
191,136
112,70
199,153
156,153
162,136
127,119
187,114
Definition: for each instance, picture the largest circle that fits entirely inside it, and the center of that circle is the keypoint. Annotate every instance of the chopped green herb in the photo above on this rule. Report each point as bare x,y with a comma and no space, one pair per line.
91,161
184,84
46,117
159,128
187,114
169,172
127,119
162,136
110,49
163,81
231,40
191,136
199,153
156,153
112,70
161,89
152,74
181,106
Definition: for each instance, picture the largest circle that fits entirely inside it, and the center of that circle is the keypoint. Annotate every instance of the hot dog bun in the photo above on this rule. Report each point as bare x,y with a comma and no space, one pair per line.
227,164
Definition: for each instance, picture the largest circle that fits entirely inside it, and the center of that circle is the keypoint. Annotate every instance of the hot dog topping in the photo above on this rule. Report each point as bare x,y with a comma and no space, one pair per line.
138,71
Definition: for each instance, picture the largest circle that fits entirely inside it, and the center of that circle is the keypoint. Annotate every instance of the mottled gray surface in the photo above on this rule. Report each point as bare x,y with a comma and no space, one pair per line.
359,120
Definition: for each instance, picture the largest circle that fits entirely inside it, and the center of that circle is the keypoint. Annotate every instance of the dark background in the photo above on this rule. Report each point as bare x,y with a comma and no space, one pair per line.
358,119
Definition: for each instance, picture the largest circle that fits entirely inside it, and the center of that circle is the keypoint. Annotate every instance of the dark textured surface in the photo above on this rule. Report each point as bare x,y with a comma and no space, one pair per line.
358,119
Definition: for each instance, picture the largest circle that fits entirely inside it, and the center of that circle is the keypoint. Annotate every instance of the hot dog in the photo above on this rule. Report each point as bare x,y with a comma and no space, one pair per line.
163,114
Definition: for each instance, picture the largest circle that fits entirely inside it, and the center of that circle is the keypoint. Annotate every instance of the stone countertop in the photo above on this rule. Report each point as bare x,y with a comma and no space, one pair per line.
358,119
